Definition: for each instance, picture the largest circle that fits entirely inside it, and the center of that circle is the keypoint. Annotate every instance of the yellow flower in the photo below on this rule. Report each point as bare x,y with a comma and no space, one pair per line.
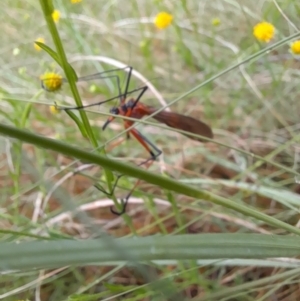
75,1
264,31
216,22
56,15
163,20
36,46
51,81
54,109
295,47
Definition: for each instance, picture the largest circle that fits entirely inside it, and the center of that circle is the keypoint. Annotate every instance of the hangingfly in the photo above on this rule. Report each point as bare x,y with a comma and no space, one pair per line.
134,109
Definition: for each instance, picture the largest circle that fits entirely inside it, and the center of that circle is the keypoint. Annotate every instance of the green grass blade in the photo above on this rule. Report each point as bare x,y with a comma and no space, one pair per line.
78,122
139,173
46,254
50,51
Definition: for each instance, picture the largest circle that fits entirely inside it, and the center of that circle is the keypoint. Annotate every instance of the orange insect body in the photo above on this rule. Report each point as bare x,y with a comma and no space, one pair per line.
174,120
138,110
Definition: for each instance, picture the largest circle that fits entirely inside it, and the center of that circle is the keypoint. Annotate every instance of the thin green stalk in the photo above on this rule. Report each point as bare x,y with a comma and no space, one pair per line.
47,8
71,77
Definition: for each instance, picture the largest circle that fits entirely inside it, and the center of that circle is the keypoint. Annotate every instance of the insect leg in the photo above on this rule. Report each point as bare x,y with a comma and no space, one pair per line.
145,142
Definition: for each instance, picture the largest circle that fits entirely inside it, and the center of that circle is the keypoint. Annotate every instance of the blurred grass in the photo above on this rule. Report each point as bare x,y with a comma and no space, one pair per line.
253,109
